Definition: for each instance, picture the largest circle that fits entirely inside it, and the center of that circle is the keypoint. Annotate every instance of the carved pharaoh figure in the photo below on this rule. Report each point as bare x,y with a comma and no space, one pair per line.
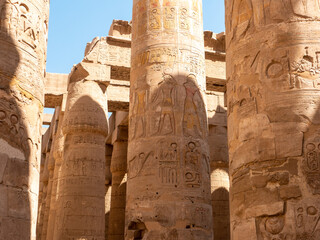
164,103
193,109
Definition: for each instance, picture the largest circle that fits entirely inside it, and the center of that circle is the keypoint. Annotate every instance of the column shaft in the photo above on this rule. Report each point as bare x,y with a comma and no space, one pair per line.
23,41
168,191
273,75
57,148
108,186
81,186
118,192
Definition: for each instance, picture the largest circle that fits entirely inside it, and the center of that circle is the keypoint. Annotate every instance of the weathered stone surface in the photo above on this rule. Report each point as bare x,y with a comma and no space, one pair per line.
115,51
121,29
23,41
118,194
273,71
81,184
168,189
109,150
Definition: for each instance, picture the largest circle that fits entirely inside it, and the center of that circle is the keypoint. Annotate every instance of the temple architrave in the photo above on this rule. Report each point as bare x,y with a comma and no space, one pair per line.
164,131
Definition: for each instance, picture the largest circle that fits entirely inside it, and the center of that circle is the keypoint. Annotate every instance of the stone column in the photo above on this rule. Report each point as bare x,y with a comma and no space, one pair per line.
43,189
273,74
23,41
118,193
57,150
47,200
168,193
81,185
108,183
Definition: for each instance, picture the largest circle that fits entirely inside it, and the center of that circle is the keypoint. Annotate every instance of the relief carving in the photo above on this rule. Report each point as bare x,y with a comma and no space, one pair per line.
184,19
169,18
273,228
164,103
307,218
12,128
192,161
9,17
168,158
138,118
311,164
27,22
154,19
305,73
194,122
137,163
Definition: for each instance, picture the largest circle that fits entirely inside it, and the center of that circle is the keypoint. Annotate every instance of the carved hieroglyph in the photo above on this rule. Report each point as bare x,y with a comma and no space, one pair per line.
273,76
23,41
168,192
81,184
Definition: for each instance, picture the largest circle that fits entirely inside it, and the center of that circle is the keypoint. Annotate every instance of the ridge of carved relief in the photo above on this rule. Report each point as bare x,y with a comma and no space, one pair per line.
157,114
22,21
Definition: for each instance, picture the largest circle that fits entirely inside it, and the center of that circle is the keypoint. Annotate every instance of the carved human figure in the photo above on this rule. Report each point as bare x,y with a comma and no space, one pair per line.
138,119
193,108
164,103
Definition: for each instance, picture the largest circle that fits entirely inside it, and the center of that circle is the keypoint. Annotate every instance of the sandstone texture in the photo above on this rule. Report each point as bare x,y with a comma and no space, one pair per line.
80,209
273,72
168,186
105,51
23,42
83,180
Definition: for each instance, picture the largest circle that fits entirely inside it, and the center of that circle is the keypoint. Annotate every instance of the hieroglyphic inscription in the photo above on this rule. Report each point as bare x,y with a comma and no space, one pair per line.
162,55
311,163
168,158
184,23
305,73
192,161
169,18
307,217
18,19
104,53
154,19
11,126
167,57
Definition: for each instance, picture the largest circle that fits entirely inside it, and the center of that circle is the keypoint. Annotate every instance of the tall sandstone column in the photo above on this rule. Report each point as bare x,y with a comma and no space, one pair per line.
108,188
168,191
23,42
81,183
118,192
273,82
57,148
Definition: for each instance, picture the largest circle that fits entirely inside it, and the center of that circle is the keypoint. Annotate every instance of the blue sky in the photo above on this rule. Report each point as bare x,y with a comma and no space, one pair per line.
74,23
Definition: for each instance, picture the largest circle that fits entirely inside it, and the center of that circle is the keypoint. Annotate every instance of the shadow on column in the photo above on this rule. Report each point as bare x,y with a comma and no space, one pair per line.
219,162
220,209
81,203
15,139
